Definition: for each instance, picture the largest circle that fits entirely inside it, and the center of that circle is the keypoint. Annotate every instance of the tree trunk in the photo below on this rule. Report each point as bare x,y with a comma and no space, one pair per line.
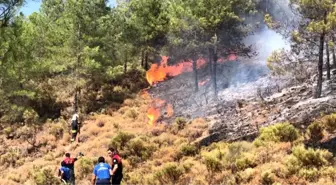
210,62
146,61
320,68
333,52
215,58
195,74
142,58
125,63
328,59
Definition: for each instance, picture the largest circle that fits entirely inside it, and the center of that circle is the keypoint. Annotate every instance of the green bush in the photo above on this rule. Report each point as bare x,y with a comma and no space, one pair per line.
302,158
85,167
281,132
10,158
315,132
312,158
9,132
310,174
212,163
236,149
139,148
44,176
120,140
180,123
30,116
189,150
245,176
245,161
329,122
267,178
56,130
131,113
169,174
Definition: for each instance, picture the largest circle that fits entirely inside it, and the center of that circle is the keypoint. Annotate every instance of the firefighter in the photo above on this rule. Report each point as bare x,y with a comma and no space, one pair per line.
101,173
75,127
117,166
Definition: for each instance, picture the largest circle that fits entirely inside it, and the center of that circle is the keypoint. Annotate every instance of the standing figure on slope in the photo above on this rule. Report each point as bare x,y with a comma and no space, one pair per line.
75,127
117,167
69,163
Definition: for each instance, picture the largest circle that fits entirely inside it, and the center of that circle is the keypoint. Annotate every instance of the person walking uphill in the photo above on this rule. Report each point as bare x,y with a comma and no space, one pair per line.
101,173
70,163
117,166
75,128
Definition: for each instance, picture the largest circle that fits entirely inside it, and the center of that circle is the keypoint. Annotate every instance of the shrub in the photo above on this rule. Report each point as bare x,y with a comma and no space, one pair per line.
310,174
267,178
237,148
44,176
49,157
169,174
11,157
30,116
312,158
329,122
121,139
180,123
131,113
245,161
307,158
281,132
245,176
328,172
57,130
212,163
315,132
100,124
85,167
9,132
189,150
137,147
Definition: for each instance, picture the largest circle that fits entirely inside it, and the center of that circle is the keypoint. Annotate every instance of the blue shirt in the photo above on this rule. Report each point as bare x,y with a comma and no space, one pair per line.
102,171
66,173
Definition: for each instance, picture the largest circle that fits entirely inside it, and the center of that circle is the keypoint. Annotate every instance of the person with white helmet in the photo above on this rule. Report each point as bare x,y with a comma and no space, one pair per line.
75,128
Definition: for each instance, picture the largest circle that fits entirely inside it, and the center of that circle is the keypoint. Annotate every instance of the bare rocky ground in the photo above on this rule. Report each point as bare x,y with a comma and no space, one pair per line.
242,108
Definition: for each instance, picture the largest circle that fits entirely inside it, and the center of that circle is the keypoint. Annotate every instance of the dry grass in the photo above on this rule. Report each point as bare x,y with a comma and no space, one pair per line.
238,163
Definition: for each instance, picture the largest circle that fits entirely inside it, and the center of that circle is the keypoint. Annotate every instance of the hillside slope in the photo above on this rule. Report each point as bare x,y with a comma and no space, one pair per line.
168,154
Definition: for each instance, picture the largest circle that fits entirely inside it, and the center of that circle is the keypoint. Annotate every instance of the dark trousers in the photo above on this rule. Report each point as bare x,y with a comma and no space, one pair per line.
103,182
72,177
73,136
116,180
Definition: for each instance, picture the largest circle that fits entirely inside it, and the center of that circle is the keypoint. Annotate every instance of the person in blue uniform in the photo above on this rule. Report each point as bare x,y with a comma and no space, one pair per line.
101,173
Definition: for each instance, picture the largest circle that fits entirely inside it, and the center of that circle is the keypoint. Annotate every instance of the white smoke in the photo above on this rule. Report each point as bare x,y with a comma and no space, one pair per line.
265,41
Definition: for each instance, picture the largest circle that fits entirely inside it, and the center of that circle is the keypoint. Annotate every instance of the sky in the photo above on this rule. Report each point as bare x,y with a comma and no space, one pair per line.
34,6
31,6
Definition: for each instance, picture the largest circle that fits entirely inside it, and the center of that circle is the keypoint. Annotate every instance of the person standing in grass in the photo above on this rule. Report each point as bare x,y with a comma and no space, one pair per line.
117,166
69,162
75,127
101,173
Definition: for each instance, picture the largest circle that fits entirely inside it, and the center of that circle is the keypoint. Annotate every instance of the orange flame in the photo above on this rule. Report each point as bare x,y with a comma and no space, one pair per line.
154,111
153,115
158,73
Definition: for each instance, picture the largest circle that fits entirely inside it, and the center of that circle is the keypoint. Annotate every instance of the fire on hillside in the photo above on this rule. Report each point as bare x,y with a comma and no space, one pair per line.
162,71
